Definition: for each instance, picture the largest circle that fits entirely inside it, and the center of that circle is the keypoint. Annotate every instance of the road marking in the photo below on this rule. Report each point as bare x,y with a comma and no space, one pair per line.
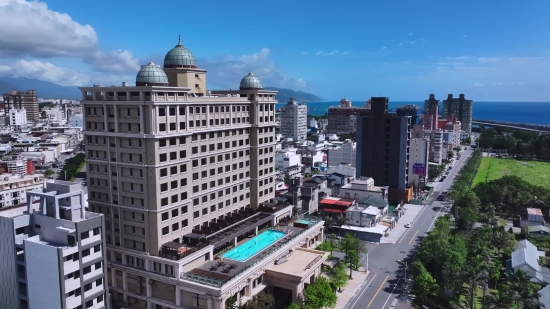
413,238
376,294
367,285
391,293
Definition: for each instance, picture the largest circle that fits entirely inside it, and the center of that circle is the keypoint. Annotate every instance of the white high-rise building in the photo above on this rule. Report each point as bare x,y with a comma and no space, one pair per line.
347,153
294,120
419,153
53,252
18,118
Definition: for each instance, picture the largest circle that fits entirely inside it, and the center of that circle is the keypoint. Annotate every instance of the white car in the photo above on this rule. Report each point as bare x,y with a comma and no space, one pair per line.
407,225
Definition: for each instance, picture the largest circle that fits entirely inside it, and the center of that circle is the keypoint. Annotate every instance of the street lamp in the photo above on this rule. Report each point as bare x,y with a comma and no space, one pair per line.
406,267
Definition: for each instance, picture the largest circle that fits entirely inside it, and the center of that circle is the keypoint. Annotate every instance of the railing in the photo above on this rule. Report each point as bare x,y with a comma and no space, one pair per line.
219,283
184,254
313,262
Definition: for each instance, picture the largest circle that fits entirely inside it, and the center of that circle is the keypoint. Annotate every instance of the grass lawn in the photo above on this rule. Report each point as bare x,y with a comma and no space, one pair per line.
537,173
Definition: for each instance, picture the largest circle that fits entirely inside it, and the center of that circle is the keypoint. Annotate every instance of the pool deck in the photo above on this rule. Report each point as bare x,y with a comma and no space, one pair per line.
210,270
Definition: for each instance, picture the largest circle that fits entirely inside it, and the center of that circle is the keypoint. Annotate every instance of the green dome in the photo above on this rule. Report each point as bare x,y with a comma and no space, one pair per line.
250,81
180,57
151,75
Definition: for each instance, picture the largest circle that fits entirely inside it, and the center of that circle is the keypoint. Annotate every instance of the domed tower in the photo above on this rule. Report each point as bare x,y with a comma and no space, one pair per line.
181,68
151,75
250,82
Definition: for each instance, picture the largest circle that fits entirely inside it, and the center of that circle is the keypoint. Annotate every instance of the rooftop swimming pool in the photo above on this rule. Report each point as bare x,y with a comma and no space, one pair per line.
302,221
253,246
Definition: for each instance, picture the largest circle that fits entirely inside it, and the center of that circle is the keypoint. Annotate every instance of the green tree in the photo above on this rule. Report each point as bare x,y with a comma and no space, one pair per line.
293,306
450,154
425,286
339,277
467,217
352,247
319,295
48,173
261,301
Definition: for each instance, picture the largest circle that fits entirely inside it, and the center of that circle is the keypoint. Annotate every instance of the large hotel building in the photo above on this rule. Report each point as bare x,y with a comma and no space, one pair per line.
183,174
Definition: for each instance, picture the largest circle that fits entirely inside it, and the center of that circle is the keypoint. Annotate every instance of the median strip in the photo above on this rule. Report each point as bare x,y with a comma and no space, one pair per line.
380,288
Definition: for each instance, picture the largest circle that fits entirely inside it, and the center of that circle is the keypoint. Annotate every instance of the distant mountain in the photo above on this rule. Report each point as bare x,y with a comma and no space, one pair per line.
48,90
285,94
43,89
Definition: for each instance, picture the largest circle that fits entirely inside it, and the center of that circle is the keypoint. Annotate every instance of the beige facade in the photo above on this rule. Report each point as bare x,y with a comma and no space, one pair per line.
161,163
170,163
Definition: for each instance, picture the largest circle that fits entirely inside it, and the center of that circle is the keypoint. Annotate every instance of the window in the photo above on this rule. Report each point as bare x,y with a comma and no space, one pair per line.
164,216
87,270
162,111
162,127
84,235
165,230
175,212
172,111
196,214
184,223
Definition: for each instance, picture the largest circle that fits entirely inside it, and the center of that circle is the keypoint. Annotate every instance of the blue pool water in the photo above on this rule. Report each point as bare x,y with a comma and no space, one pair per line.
253,246
302,221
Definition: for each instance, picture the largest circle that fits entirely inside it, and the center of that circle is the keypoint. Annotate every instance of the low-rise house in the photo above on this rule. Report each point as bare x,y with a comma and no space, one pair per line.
361,188
364,221
335,205
526,258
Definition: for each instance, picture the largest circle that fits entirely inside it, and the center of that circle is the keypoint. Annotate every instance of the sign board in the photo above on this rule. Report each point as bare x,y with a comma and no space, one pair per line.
419,169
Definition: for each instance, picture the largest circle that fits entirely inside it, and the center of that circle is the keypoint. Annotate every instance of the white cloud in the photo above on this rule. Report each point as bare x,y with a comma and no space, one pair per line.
332,53
227,71
346,53
412,42
120,61
30,28
478,85
47,71
488,59
305,53
458,58
319,53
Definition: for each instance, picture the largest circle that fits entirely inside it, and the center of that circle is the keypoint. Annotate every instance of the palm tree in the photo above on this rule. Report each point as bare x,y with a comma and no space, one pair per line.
501,239
523,290
498,301
475,271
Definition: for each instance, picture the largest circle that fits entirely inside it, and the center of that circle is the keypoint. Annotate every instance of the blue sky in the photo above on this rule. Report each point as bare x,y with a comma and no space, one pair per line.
489,50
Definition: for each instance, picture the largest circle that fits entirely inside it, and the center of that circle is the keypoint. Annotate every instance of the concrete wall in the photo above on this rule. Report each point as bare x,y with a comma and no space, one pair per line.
43,276
8,285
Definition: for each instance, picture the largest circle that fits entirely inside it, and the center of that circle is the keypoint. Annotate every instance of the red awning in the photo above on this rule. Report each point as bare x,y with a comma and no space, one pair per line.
336,211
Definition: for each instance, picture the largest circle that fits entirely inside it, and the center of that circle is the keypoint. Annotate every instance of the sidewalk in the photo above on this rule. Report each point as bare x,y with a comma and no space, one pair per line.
409,217
353,286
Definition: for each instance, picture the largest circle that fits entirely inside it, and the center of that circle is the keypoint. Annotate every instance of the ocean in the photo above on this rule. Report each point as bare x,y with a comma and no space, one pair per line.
520,112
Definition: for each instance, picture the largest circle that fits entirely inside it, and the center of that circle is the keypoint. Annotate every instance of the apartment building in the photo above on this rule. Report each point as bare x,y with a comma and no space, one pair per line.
181,173
26,100
431,113
409,110
436,146
346,153
418,161
14,187
461,108
343,119
383,149
17,119
53,252
294,120
286,158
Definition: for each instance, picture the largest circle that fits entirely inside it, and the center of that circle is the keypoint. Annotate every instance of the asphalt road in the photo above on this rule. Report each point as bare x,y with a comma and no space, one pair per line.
386,287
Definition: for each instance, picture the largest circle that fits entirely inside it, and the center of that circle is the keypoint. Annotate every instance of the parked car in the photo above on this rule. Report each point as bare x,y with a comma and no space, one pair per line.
407,225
